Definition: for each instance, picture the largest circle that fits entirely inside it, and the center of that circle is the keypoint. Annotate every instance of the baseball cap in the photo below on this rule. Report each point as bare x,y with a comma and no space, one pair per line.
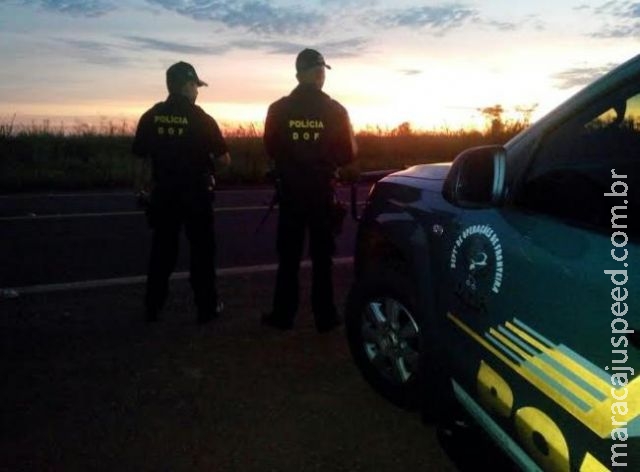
182,72
309,58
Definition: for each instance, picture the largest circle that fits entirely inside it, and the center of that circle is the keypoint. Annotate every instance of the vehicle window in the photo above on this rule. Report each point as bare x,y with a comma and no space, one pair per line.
572,170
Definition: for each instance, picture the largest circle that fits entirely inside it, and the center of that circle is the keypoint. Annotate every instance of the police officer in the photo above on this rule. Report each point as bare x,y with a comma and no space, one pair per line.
307,136
183,143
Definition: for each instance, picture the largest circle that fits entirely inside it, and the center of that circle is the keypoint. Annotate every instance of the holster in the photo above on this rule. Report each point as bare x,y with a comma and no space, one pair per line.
143,201
211,186
337,214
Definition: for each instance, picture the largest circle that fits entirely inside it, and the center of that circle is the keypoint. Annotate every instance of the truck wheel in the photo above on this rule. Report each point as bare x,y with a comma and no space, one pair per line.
383,331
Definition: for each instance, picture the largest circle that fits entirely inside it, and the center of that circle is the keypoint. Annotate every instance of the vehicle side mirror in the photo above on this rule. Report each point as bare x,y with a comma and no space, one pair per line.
477,178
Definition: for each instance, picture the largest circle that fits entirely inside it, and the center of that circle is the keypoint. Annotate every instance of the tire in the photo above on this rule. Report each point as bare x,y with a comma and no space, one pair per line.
383,331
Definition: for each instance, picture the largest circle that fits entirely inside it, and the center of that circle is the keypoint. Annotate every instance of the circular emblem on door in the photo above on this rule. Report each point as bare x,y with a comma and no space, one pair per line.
477,264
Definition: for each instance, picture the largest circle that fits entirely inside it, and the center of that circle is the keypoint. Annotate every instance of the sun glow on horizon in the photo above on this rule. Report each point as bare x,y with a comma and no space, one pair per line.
377,99
234,117
392,62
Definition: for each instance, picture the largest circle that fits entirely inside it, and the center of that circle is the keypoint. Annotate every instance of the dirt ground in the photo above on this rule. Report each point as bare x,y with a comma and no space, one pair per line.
87,385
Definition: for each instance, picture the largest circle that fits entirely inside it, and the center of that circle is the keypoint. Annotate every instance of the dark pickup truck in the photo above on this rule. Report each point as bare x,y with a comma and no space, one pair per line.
508,283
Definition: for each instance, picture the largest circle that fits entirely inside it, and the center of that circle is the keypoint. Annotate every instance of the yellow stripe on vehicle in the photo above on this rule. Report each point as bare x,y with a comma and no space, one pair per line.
563,359
593,413
548,370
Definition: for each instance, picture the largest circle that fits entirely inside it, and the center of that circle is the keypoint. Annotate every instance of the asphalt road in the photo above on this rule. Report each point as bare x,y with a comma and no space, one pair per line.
89,386
58,238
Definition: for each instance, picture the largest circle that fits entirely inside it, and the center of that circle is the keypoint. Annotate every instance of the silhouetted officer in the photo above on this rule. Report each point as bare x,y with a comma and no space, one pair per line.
182,142
308,136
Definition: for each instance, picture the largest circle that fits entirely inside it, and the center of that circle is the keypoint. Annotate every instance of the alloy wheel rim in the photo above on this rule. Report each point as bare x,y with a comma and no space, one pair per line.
390,336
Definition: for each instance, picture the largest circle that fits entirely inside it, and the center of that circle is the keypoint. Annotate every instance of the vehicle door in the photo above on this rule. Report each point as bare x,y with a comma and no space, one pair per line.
545,296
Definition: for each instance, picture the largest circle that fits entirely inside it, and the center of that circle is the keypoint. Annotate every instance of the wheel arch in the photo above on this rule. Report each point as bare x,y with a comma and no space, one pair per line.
401,244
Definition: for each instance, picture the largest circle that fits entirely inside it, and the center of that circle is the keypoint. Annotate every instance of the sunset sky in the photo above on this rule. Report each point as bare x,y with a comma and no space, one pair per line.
433,63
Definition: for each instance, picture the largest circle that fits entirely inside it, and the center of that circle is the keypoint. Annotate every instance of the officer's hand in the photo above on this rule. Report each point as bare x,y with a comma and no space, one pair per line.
224,160
348,174
143,198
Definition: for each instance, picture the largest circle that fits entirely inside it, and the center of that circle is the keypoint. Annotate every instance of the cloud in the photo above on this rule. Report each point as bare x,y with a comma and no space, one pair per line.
93,52
621,19
343,3
410,72
445,17
86,8
582,7
345,48
580,76
330,49
619,8
529,21
502,25
257,16
439,19
181,48
271,47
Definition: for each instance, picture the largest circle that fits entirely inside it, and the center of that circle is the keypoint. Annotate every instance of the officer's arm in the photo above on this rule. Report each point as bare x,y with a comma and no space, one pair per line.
354,144
270,137
223,160
346,146
141,145
220,152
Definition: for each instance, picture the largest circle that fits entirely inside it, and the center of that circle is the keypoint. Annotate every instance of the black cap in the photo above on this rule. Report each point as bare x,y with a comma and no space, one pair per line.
308,59
180,73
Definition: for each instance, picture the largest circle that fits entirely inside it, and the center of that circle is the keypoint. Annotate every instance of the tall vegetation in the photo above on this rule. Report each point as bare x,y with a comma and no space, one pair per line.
46,157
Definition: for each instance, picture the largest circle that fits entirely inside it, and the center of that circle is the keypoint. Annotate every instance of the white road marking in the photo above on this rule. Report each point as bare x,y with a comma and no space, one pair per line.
112,194
70,215
138,279
28,196
115,213
125,213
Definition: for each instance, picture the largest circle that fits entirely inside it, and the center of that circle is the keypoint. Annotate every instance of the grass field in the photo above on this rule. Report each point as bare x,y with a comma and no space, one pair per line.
42,157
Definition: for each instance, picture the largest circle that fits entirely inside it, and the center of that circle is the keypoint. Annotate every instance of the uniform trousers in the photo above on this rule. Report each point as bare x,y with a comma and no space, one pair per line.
294,220
170,211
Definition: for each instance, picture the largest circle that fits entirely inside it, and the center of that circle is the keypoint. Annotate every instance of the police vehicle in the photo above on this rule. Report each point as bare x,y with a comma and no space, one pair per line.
508,283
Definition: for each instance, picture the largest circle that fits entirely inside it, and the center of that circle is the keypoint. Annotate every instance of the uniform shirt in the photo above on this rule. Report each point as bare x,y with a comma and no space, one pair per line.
308,135
180,138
